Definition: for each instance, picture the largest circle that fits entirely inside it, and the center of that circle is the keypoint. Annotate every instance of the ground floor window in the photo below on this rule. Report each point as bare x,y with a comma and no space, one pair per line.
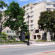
39,36
34,36
10,37
37,31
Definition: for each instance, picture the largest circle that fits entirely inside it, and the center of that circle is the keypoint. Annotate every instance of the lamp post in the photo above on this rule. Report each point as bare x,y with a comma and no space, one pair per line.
28,31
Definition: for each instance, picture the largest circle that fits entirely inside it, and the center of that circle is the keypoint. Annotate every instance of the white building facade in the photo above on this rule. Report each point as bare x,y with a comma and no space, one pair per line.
34,10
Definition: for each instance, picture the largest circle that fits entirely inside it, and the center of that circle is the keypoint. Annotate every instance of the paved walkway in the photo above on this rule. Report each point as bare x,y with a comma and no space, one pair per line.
45,53
43,43
12,45
25,45
31,45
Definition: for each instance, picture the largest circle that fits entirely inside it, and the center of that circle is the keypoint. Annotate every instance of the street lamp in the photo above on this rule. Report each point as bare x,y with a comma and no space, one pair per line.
28,31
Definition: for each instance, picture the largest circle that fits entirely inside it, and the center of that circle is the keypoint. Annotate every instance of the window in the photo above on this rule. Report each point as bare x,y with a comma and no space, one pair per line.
27,13
24,7
35,3
31,16
34,36
7,31
39,36
27,9
0,12
53,9
54,5
31,21
12,31
31,29
31,8
31,11
27,21
36,31
48,9
48,4
31,26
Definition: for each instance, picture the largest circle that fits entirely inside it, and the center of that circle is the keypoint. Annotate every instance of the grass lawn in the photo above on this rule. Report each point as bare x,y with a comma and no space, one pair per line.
41,40
13,42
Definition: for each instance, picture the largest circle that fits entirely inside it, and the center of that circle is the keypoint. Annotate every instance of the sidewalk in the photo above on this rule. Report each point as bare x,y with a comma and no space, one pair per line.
43,43
45,53
25,45
12,45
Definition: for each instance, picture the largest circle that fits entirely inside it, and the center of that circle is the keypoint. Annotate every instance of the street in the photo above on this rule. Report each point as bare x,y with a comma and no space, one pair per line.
26,50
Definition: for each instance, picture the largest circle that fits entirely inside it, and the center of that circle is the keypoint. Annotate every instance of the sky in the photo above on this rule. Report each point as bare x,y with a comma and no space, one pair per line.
23,2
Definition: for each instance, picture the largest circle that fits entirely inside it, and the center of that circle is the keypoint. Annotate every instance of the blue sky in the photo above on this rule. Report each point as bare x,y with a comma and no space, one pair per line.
23,2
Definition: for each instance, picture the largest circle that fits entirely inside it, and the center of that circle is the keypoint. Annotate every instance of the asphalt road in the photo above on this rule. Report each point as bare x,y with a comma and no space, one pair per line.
25,50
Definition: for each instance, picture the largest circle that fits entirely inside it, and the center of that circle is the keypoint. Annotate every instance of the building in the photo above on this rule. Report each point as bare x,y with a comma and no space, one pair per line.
10,33
34,10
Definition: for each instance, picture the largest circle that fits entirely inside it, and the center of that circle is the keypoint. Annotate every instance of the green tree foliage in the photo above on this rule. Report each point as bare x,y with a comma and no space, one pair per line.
2,5
0,17
47,21
3,36
14,15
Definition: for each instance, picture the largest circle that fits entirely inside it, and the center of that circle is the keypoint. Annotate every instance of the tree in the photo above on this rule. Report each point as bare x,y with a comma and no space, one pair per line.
2,5
47,21
3,36
15,20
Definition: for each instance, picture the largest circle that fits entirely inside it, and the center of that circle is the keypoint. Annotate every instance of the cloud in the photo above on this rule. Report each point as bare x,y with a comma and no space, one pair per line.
22,0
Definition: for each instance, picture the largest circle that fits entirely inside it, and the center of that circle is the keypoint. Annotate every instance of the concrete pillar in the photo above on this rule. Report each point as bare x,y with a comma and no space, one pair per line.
48,36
